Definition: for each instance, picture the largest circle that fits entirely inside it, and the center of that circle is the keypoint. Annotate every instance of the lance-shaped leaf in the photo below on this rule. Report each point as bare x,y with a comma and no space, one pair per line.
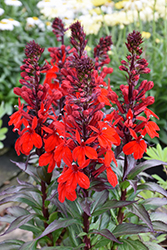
131,164
99,199
30,245
129,228
81,246
133,183
56,224
159,215
143,166
152,187
153,203
153,246
24,198
17,211
11,244
21,220
141,212
107,234
159,226
86,204
30,170
132,245
16,189
110,205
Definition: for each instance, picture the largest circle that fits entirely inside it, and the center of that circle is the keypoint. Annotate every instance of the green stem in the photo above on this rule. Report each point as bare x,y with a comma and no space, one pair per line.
45,211
120,216
86,227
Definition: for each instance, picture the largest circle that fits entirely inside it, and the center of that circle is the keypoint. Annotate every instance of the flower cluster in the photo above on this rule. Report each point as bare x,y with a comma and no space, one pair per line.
64,118
130,126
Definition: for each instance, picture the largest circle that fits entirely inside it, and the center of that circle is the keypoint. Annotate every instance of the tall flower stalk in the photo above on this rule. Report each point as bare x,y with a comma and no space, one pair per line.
63,121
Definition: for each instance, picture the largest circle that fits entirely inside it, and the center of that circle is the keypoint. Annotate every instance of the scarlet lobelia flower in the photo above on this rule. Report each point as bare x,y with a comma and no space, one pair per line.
63,118
80,128
27,120
132,126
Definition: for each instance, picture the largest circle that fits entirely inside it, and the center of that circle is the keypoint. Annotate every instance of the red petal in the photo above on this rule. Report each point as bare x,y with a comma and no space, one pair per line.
82,180
78,136
76,152
141,147
52,141
67,156
90,140
90,152
151,128
36,139
94,129
133,134
111,176
102,141
109,156
51,165
128,149
34,122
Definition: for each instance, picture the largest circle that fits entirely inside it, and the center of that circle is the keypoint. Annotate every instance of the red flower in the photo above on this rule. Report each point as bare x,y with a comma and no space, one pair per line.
28,138
16,118
62,151
111,176
71,176
81,151
51,76
47,158
136,147
129,123
106,135
150,127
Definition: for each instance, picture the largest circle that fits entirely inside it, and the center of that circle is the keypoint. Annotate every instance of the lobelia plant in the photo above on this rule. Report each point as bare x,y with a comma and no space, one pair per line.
83,154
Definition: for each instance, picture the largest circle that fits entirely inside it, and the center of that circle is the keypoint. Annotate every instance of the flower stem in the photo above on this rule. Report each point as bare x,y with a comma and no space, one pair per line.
45,210
120,216
86,228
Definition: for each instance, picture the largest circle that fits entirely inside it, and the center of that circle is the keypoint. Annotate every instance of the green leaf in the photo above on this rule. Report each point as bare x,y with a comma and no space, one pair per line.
81,246
159,215
11,244
102,243
154,202
30,245
24,198
153,246
58,224
132,245
107,234
159,226
32,228
99,199
82,234
152,187
141,212
21,220
129,228
17,211
3,131
143,166
53,217
157,153
110,205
